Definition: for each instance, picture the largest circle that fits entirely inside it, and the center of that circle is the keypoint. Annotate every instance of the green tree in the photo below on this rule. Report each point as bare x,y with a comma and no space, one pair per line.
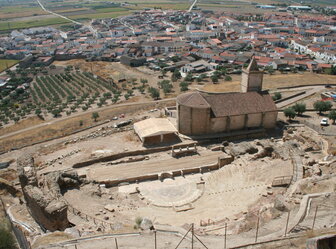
289,113
144,81
228,78
154,92
115,98
130,92
94,116
214,79
38,112
7,240
166,86
176,75
56,112
203,75
333,70
163,72
222,70
277,96
269,69
217,73
189,77
107,95
175,58
16,119
332,116
300,108
322,106
184,86
141,89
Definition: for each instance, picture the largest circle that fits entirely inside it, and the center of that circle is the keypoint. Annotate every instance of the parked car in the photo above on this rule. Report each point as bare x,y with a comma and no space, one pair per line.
324,122
115,118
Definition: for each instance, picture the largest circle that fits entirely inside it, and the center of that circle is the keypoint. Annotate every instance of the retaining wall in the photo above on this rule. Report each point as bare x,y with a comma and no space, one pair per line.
222,161
290,87
124,154
290,97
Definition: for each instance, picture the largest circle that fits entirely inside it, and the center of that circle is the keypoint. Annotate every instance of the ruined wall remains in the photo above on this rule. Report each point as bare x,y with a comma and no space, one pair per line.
49,211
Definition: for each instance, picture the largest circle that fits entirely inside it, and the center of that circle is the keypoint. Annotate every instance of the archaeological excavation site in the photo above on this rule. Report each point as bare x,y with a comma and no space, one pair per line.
202,172
242,193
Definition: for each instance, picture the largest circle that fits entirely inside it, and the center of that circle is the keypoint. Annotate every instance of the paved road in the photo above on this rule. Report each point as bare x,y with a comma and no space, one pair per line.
192,6
81,114
122,171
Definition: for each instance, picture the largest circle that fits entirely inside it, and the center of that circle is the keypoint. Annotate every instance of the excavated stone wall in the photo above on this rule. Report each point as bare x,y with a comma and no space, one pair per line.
49,211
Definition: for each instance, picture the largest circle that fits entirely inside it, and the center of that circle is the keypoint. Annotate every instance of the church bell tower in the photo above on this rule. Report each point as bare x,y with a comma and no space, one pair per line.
252,78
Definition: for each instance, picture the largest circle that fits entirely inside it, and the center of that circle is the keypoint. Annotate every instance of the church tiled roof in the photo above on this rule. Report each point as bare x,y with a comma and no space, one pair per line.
229,104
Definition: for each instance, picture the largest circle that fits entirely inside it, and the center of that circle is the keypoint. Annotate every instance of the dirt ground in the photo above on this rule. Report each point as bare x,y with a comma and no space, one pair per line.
231,186
65,126
274,81
235,194
113,70
312,117
117,70
230,195
31,121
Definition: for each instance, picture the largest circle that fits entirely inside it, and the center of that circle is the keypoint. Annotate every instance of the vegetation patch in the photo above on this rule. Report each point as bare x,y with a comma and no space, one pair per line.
4,26
5,64
100,15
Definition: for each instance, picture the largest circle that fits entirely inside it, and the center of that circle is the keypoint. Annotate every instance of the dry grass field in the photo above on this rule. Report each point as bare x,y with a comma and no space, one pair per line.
4,64
62,127
274,81
22,124
25,16
113,70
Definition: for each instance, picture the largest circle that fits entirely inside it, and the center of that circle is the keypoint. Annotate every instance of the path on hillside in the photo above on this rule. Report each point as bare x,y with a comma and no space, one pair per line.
81,114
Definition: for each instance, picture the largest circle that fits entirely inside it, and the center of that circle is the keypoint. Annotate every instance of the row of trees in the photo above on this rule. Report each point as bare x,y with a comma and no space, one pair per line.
320,106
54,94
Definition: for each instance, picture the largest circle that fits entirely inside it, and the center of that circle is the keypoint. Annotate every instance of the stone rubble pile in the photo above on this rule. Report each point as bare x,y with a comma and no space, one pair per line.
101,132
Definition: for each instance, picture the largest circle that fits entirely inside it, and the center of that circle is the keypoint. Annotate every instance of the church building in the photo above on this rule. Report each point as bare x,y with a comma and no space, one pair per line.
200,113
